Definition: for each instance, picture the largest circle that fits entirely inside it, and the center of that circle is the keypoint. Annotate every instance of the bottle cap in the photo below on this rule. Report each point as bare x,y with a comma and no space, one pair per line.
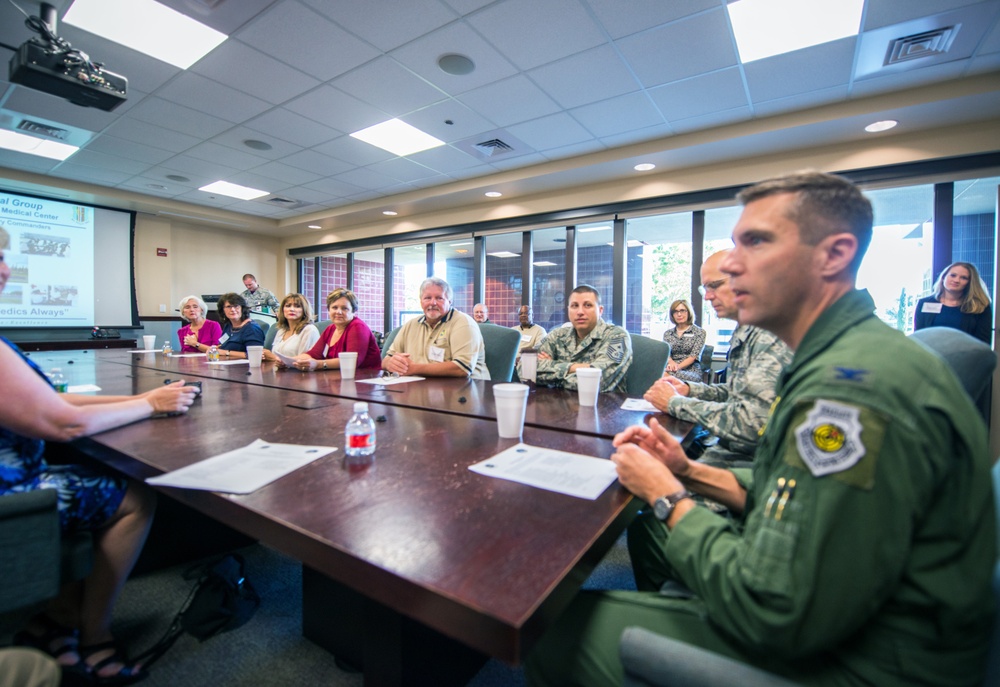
360,407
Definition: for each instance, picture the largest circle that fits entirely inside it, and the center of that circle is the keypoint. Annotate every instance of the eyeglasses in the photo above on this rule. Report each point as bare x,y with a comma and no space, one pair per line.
683,310
712,286
231,307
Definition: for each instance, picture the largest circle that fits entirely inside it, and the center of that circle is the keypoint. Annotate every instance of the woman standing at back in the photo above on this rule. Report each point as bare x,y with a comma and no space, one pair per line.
959,301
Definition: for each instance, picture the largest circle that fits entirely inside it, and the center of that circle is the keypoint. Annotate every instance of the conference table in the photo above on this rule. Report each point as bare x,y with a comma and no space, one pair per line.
416,569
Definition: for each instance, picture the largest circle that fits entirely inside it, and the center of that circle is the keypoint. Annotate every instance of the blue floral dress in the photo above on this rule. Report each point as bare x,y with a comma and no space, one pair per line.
87,498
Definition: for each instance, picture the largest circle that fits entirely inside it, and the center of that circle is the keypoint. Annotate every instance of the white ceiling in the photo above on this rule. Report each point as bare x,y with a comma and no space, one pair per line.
557,79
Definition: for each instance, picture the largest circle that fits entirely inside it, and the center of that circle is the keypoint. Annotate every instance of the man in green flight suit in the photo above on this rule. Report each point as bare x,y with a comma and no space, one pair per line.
866,538
589,342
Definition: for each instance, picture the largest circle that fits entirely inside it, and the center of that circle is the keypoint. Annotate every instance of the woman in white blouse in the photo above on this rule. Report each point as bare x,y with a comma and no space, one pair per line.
296,333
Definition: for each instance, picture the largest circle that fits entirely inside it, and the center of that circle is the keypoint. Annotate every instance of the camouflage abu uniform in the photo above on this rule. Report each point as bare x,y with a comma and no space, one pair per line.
607,347
736,411
260,298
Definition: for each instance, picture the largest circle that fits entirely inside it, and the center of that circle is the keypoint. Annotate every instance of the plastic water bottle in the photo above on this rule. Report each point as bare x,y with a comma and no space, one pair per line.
58,381
213,354
360,435
167,348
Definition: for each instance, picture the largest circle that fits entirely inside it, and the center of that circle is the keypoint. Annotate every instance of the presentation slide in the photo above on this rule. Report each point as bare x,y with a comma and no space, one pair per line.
53,250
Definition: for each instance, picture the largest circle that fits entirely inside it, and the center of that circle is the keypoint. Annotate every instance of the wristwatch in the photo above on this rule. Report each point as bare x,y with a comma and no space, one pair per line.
664,506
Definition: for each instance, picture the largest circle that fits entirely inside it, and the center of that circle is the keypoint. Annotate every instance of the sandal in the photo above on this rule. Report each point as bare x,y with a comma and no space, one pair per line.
60,643
127,674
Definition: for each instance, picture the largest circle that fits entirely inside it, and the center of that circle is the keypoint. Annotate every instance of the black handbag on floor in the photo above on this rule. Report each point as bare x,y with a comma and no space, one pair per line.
222,599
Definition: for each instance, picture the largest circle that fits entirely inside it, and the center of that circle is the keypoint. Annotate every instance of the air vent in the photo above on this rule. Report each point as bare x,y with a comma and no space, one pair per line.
926,44
282,202
39,129
493,147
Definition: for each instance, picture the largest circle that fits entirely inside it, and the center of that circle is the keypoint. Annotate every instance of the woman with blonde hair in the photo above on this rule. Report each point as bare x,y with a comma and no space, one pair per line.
686,340
295,331
959,301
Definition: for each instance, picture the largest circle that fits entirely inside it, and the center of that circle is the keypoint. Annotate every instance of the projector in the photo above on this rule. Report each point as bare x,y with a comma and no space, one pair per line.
67,74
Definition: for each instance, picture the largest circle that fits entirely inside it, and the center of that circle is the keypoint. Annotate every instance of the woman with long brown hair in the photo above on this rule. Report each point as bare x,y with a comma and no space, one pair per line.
959,301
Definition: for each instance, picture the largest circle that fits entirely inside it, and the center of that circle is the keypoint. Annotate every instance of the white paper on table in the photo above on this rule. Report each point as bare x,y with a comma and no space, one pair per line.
285,360
243,470
82,388
187,355
240,361
386,381
146,350
566,473
640,404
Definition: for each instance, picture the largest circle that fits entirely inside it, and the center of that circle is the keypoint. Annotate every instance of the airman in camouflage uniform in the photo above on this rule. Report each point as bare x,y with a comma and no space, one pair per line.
590,342
735,411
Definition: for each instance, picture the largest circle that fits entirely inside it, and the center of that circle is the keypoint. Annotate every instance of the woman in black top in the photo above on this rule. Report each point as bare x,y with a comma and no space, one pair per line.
959,301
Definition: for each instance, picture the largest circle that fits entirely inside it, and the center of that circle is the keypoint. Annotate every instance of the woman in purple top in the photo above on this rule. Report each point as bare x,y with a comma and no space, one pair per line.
345,333
199,334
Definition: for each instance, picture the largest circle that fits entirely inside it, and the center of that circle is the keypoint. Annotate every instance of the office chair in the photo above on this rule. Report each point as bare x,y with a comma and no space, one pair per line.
706,363
649,360
971,360
501,345
388,340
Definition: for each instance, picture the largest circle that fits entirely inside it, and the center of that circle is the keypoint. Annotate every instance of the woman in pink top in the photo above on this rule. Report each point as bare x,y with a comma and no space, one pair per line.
346,333
199,334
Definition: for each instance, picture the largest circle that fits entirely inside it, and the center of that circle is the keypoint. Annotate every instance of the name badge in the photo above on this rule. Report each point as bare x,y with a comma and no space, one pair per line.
931,307
223,339
525,338
436,354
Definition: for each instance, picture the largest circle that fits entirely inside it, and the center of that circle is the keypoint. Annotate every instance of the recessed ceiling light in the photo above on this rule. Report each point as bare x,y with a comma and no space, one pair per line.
315,226
644,167
455,64
543,263
764,28
463,243
884,125
22,143
257,145
390,213
504,254
177,177
397,137
587,230
493,194
633,243
224,188
147,26
462,251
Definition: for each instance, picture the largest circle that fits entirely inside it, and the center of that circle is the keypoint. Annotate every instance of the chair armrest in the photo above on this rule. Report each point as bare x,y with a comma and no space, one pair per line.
652,660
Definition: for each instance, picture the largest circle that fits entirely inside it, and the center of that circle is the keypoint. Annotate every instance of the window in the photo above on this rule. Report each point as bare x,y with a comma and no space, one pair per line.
454,262
897,269
973,228
594,259
503,278
369,286
549,277
409,270
332,275
659,270
719,223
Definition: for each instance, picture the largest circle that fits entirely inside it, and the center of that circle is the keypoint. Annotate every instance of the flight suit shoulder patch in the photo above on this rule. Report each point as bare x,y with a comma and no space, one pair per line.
836,439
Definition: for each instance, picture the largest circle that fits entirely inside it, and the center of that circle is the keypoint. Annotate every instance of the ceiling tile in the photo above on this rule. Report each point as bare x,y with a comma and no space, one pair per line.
132,129
292,127
531,33
587,77
819,67
879,13
582,148
321,165
29,163
175,117
554,131
386,24
202,94
464,122
151,186
464,7
235,137
337,109
446,159
624,18
186,165
354,151
253,72
385,84
282,31
721,90
333,186
618,115
224,155
96,160
366,178
402,169
916,77
287,173
638,135
224,17
711,120
689,47
510,101
131,150
90,175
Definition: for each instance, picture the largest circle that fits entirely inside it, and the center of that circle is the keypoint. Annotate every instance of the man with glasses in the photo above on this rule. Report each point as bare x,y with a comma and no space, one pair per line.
735,411
442,343
864,540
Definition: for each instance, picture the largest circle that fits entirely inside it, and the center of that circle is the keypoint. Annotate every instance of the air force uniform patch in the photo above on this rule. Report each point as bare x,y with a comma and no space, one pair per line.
829,440
616,349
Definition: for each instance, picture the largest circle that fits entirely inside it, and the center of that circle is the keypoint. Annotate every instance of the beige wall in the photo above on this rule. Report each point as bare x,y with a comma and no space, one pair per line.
199,260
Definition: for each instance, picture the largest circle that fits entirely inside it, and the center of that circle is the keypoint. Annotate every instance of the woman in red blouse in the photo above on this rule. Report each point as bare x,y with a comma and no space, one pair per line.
346,333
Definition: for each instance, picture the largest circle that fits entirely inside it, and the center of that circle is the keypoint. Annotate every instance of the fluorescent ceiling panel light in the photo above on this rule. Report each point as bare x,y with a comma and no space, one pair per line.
398,137
644,167
148,27
504,254
493,194
224,188
543,263
21,143
587,230
315,226
884,125
765,28
390,213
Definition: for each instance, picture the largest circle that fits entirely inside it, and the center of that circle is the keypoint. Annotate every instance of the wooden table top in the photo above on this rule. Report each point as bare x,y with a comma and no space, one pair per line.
486,561
547,408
